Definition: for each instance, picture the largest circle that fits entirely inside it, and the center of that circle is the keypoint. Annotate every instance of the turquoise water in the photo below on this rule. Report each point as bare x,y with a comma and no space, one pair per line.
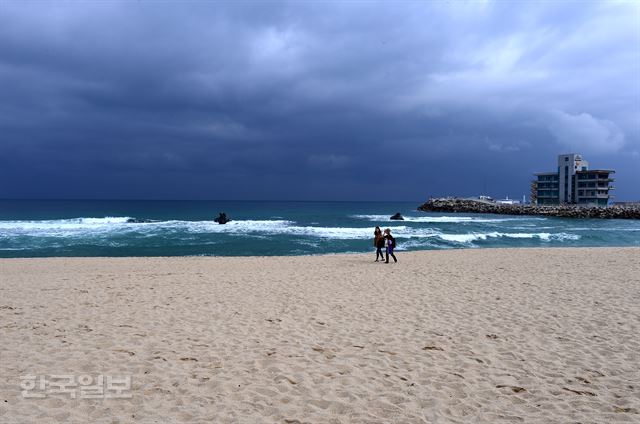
30,228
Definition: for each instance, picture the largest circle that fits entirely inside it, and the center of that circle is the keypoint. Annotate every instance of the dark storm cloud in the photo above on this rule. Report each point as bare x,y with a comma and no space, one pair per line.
295,100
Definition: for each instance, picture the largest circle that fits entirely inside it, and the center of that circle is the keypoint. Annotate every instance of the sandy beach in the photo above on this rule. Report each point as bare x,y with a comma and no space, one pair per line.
458,336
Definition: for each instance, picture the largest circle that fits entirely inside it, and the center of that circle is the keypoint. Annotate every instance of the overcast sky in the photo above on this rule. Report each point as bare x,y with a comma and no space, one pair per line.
313,100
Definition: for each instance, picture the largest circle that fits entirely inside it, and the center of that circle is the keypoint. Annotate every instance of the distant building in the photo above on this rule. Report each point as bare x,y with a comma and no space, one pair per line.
572,183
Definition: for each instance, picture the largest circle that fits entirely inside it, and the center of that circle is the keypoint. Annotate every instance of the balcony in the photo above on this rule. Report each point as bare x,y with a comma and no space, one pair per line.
596,180
594,196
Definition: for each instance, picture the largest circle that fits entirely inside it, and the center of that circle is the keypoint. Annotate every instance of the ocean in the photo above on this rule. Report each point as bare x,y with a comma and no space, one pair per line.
45,228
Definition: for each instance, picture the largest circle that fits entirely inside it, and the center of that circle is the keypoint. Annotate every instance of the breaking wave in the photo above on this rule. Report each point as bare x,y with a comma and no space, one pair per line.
79,227
468,238
433,219
84,226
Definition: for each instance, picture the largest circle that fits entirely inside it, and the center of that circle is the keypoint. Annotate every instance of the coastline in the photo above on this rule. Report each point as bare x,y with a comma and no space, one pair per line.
261,228
456,335
308,255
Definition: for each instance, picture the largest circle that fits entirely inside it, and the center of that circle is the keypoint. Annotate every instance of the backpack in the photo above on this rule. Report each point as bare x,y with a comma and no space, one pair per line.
393,242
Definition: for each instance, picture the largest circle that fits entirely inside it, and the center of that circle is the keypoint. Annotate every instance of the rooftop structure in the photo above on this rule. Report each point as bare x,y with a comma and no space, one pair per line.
507,201
572,183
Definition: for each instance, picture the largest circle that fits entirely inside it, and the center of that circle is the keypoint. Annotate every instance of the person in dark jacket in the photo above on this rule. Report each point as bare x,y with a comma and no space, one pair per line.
378,243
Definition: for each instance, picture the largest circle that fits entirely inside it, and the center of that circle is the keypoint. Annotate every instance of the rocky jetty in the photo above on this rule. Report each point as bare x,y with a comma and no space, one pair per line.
563,211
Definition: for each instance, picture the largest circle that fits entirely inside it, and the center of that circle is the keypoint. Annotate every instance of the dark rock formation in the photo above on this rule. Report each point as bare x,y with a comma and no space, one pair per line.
564,211
397,216
139,221
222,218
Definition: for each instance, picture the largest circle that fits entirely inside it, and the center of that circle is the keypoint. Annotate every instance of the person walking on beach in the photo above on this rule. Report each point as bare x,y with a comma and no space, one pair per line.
391,244
378,243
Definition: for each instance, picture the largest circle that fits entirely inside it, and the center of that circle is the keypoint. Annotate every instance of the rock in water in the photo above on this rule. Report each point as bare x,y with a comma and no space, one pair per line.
222,218
397,216
139,221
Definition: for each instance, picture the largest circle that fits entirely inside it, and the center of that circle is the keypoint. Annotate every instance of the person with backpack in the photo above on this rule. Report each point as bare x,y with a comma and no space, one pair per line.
378,243
391,244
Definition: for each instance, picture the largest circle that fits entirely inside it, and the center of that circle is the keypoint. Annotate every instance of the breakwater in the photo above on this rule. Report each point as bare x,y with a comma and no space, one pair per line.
564,211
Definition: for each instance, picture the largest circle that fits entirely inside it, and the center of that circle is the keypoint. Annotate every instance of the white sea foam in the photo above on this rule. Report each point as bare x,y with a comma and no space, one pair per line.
419,243
107,226
117,221
104,226
471,237
236,226
602,229
63,223
97,226
434,219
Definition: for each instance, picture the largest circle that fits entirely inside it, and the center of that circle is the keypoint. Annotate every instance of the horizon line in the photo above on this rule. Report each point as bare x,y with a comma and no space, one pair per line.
202,200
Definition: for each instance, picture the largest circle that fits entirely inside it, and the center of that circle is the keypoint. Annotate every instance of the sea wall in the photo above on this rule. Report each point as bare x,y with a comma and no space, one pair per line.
564,211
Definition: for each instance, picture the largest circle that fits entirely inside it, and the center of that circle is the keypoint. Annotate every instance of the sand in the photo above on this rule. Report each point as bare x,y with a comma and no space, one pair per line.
459,336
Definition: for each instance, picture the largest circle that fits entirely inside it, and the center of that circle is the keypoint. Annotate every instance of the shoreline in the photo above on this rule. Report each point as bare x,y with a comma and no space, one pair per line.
330,254
284,230
458,335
